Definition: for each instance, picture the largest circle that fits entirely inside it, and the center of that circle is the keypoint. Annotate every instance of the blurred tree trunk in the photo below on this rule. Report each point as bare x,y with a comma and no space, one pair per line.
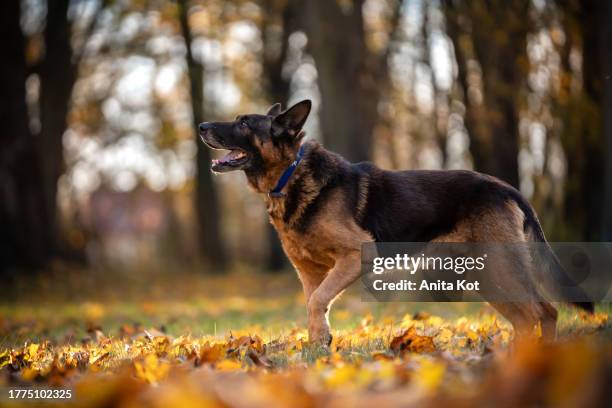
206,200
453,22
580,110
489,32
439,117
607,118
23,240
277,88
58,72
275,48
587,197
351,77
37,160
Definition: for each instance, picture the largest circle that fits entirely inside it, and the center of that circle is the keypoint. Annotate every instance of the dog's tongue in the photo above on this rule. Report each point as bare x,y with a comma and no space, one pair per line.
231,156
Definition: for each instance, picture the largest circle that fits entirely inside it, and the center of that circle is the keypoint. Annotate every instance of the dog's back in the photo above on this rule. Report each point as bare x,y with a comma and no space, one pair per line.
420,205
413,205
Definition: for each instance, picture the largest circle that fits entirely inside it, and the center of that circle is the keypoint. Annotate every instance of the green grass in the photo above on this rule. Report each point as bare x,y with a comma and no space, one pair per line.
63,311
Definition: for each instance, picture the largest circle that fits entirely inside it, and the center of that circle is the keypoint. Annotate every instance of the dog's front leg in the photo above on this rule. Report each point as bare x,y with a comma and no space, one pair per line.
345,271
310,274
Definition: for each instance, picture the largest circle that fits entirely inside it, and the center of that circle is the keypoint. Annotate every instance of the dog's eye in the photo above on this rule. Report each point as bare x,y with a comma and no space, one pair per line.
243,124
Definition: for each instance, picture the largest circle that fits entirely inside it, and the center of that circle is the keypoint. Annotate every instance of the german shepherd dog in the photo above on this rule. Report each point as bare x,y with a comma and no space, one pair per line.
324,208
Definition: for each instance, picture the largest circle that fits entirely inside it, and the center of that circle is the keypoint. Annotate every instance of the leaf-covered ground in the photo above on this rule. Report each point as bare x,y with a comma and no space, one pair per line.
241,341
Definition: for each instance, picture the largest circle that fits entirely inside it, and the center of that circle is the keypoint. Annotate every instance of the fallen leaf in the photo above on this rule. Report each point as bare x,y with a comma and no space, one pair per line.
410,341
210,353
151,369
429,375
228,365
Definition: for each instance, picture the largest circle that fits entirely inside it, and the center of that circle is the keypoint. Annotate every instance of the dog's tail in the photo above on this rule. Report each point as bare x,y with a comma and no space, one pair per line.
562,281
565,281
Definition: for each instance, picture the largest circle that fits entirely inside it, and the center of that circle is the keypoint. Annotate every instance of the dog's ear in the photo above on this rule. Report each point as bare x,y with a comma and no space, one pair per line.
274,110
291,120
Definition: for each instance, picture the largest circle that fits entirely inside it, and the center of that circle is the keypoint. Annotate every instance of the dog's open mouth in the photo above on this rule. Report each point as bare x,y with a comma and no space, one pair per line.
234,158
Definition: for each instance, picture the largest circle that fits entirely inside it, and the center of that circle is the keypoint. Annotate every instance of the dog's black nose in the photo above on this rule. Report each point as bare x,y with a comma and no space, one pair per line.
205,126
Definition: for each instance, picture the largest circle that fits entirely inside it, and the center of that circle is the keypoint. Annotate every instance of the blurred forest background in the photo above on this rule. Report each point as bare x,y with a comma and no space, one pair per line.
100,164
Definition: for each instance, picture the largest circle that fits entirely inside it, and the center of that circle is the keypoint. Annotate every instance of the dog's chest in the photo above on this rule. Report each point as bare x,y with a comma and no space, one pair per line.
304,246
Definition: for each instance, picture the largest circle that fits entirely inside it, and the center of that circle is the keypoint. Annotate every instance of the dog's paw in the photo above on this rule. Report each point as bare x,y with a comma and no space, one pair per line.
326,340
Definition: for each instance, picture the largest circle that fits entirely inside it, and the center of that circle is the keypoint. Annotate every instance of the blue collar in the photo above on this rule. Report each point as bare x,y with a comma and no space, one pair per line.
284,178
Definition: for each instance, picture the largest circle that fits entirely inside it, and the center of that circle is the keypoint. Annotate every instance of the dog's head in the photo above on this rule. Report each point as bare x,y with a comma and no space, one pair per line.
257,142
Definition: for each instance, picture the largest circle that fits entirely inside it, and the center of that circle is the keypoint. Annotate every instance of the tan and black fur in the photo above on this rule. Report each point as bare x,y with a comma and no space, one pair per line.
330,207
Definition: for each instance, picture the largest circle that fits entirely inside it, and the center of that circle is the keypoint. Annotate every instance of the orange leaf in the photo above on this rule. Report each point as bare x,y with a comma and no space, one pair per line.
410,341
210,353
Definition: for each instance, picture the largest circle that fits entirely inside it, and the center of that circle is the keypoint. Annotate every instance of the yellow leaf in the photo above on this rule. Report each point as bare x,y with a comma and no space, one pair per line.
31,352
228,365
429,375
4,358
211,353
161,344
28,374
444,336
151,369
341,376
98,354
473,335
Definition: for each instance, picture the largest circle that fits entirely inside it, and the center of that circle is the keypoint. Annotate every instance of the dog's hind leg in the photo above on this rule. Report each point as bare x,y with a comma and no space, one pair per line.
346,271
512,267
524,307
517,298
524,317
